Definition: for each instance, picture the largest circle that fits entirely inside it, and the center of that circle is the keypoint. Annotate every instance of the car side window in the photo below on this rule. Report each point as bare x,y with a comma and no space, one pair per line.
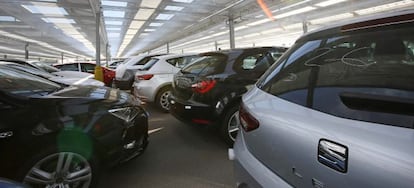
88,68
143,61
176,62
69,67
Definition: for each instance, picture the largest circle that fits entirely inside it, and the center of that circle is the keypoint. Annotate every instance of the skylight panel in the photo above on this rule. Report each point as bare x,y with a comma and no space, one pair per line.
149,30
174,8
113,29
183,1
329,3
131,31
59,20
45,10
113,22
136,24
156,24
164,16
8,19
114,14
114,3
113,35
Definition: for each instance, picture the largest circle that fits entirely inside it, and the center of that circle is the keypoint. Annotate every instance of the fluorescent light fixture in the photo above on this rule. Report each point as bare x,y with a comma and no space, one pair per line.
292,5
132,31
113,29
331,18
220,33
294,12
259,22
329,3
59,20
385,7
129,36
156,24
136,24
114,14
183,1
270,31
174,8
164,16
251,35
47,10
7,19
143,34
113,22
150,3
144,14
149,30
294,26
240,28
114,3
113,35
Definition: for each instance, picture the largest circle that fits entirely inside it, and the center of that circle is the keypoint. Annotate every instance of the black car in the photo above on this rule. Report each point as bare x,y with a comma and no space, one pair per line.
209,90
35,64
59,137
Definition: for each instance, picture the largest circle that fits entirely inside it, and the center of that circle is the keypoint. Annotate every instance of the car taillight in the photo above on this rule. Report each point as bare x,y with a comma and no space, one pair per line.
203,86
247,121
145,77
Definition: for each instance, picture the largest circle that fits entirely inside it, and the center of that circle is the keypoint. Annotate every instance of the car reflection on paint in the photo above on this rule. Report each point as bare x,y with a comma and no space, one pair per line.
53,136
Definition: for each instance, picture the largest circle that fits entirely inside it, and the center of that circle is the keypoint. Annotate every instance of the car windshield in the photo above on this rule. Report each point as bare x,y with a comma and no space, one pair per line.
24,84
45,66
208,64
31,70
149,64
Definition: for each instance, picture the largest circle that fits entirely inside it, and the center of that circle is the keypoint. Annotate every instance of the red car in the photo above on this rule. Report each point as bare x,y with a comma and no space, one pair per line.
108,73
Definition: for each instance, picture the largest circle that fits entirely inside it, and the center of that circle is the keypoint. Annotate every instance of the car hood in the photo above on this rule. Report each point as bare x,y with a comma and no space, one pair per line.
73,74
95,93
77,81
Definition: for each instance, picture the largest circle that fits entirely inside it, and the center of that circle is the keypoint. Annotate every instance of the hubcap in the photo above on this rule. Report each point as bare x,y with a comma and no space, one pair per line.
60,170
164,103
233,125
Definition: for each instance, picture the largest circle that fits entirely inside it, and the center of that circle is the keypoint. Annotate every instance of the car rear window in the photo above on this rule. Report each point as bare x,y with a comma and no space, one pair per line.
207,65
149,64
366,75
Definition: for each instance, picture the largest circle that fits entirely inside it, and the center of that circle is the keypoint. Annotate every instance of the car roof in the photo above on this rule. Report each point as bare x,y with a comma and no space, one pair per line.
365,22
169,56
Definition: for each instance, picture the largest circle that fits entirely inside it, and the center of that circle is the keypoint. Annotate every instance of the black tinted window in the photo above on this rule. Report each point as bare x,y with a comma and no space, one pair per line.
143,61
366,76
69,67
207,65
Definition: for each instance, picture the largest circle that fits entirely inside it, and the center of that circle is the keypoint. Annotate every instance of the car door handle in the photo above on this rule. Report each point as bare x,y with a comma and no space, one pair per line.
333,155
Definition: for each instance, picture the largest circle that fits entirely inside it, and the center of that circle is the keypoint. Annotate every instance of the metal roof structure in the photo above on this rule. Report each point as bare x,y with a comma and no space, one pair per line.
56,28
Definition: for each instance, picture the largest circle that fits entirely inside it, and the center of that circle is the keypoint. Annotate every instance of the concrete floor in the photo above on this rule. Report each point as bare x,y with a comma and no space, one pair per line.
178,155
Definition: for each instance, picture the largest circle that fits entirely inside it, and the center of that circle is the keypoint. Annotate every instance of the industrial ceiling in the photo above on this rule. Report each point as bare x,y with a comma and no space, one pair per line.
67,28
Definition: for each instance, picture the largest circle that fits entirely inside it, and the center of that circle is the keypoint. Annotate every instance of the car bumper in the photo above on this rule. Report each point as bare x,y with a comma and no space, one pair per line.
123,84
191,112
249,171
145,90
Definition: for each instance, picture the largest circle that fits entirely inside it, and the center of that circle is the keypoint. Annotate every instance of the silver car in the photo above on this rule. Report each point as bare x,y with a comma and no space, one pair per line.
336,110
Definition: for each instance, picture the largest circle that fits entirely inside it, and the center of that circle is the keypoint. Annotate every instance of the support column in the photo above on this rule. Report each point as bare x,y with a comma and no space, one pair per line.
216,45
5,56
61,56
107,54
305,26
98,68
168,47
26,51
231,29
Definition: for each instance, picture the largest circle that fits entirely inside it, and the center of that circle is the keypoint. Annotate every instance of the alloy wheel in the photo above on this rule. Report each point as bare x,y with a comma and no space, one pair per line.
233,125
164,103
60,170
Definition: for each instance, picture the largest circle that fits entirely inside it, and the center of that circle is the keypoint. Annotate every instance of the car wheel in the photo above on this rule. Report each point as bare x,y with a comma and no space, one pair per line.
60,169
162,99
230,125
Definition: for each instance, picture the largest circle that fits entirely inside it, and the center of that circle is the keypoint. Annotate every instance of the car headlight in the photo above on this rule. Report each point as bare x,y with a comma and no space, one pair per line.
127,113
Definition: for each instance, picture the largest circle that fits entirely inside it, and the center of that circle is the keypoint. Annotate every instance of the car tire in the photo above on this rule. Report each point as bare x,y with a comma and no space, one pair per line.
230,125
75,169
162,99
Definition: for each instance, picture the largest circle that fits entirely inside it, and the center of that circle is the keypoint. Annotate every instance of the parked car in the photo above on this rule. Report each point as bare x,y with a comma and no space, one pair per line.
153,80
108,74
209,90
60,137
335,111
64,81
114,64
35,64
125,72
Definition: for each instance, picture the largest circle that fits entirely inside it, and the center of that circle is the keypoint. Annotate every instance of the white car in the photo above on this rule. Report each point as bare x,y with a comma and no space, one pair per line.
87,80
153,80
124,73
